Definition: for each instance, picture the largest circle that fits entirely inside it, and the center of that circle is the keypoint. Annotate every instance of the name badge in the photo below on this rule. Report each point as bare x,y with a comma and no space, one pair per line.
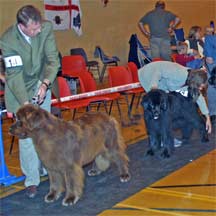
13,61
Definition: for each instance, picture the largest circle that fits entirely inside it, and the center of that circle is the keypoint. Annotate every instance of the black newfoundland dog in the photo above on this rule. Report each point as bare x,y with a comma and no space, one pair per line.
164,112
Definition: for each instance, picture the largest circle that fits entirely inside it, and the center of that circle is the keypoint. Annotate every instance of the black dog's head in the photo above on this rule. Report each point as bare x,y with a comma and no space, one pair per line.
155,102
212,78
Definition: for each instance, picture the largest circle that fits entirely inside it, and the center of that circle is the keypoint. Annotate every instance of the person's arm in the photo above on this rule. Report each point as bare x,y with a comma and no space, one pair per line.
2,78
174,23
143,29
204,110
188,58
52,62
208,48
143,23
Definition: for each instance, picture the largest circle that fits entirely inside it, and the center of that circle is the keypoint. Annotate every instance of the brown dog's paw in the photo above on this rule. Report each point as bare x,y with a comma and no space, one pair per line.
51,197
125,177
70,200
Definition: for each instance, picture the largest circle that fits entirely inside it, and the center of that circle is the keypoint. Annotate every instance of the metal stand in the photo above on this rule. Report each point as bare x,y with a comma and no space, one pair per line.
6,178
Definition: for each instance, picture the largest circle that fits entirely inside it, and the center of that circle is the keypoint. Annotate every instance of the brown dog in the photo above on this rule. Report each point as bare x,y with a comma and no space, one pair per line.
64,147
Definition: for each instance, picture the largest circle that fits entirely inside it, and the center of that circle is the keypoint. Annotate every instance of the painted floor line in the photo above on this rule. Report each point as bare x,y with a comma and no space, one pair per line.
184,195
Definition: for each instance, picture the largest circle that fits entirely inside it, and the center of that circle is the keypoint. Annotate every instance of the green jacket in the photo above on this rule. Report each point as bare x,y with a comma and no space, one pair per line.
27,64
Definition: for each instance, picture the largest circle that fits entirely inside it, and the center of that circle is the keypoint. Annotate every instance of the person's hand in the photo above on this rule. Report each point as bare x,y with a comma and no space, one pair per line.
26,102
195,52
42,93
170,30
197,57
2,78
147,34
209,60
208,124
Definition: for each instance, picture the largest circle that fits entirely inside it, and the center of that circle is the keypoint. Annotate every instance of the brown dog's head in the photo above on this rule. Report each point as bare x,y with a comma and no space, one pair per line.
30,118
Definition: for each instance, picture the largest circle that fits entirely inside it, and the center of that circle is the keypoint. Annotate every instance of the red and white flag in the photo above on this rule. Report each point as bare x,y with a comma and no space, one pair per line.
64,14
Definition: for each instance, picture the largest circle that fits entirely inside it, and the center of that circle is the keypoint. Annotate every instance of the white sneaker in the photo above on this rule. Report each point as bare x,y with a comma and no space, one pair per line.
177,143
43,172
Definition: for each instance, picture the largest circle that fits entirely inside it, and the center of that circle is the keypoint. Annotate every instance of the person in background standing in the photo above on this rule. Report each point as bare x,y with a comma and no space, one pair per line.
161,23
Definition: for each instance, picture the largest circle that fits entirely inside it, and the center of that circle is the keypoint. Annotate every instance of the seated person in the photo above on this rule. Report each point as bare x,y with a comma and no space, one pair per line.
194,41
182,57
208,31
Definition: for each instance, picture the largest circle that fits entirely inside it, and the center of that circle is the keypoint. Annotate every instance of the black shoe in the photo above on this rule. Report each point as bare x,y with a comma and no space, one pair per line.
31,191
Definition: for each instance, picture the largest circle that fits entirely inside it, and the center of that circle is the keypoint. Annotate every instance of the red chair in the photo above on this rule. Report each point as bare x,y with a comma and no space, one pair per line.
91,65
173,57
72,66
120,75
134,71
132,67
157,59
88,84
64,91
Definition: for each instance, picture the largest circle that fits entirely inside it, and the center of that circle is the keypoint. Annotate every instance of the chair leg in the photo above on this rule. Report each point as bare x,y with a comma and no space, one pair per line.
98,106
131,105
138,100
103,72
127,101
12,144
88,108
110,109
105,106
74,113
98,70
119,109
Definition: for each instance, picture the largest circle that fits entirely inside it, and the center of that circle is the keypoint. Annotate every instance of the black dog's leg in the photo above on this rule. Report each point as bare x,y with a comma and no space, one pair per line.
201,125
167,135
195,120
168,141
153,144
187,131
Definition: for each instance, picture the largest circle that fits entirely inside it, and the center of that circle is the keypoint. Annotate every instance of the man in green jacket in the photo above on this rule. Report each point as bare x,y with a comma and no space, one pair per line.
31,60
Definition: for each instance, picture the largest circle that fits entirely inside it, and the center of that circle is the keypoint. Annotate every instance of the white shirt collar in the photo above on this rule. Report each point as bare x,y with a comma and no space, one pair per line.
27,38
